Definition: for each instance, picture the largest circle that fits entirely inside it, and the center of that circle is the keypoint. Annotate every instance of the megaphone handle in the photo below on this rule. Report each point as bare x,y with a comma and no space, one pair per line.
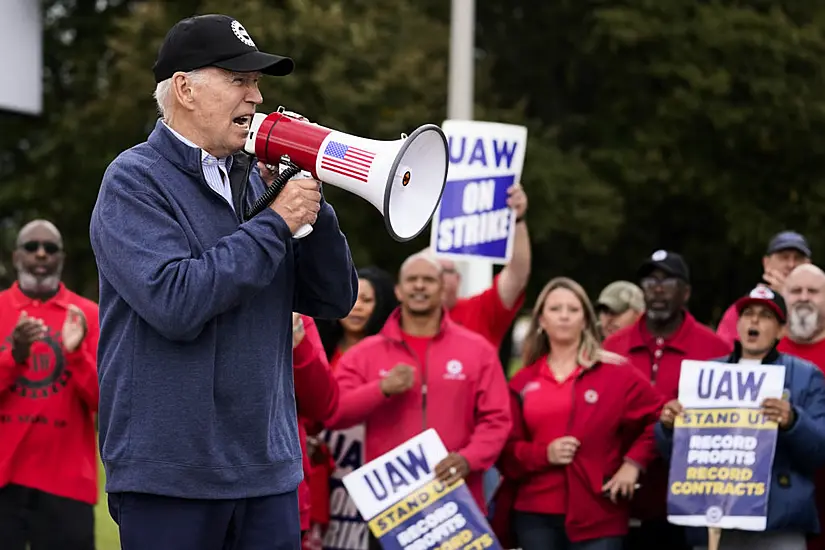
302,232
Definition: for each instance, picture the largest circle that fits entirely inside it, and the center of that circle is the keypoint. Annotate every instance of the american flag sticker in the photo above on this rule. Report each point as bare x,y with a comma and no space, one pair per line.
347,160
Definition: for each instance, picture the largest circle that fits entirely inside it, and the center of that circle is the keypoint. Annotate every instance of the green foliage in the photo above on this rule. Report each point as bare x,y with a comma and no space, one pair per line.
707,118
697,126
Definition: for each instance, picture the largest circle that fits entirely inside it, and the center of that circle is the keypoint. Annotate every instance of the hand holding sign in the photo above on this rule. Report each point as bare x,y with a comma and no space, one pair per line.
400,379
670,411
452,469
562,450
779,411
517,200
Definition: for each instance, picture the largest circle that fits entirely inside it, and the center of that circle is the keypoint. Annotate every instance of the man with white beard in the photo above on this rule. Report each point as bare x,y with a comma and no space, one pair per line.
805,337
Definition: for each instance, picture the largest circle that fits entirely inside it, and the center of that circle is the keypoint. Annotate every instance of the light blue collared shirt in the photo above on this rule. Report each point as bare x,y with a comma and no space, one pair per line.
215,170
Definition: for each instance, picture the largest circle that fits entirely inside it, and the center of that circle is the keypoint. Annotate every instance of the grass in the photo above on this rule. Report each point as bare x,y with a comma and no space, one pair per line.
106,535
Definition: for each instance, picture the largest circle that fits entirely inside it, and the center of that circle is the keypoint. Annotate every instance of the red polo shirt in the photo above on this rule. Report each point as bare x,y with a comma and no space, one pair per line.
486,314
546,410
660,360
47,406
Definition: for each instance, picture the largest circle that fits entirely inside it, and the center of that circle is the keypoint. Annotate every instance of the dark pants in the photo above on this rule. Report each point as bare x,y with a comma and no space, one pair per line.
44,521
151,522
546,532
655,535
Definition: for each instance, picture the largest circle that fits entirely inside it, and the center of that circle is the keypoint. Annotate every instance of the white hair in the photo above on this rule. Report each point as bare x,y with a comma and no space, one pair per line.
163,90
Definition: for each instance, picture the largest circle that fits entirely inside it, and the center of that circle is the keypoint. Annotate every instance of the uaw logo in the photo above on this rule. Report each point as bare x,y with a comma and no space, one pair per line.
528,387
714,515
46,373
454,370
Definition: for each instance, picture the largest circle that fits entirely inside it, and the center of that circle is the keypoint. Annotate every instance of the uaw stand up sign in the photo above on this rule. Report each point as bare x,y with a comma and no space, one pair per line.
472,220
408,509
723,448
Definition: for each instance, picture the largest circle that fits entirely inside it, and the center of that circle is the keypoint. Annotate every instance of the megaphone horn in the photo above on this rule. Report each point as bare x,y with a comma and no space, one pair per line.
404,179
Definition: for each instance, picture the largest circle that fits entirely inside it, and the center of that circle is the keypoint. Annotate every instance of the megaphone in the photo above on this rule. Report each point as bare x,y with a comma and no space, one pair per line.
404,179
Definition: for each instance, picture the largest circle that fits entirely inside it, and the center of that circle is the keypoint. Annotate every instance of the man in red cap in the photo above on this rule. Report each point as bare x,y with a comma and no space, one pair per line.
800,415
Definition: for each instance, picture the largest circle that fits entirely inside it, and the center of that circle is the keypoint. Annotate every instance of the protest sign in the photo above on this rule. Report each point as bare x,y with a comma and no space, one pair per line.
472,220
408,509
347,530
723,448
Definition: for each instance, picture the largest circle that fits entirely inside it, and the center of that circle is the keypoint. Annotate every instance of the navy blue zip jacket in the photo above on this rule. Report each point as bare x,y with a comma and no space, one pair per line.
195,353
800,449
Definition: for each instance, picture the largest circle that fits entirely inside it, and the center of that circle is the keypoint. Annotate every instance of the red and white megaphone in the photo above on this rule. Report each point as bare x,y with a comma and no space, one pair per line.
403,179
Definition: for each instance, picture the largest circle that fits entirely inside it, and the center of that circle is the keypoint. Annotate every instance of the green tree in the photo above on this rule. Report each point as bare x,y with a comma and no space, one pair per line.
369,69
706,118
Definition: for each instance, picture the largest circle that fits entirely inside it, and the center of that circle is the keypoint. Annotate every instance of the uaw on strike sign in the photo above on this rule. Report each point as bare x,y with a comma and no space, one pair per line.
406,508
472,220
723,448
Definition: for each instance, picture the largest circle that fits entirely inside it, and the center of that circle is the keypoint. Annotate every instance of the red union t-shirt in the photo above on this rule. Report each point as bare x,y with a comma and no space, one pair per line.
486,315
47,406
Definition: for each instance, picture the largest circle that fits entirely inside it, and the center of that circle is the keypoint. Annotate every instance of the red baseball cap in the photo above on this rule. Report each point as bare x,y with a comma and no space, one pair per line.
767,297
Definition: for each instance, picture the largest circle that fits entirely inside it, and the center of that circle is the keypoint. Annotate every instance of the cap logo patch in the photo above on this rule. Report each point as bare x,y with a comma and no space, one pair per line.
242,35
762,293
659,256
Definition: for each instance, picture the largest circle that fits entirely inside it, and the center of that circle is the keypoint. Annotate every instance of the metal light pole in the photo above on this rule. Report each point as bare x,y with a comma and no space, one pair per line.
476,276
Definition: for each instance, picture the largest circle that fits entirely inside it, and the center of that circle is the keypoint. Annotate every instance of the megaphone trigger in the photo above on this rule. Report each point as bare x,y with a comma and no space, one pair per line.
378,171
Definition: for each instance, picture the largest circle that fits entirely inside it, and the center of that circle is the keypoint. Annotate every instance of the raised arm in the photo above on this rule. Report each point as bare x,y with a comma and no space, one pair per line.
142,250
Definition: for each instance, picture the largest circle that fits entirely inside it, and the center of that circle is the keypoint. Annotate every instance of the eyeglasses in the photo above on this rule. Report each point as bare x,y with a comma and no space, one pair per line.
670,283
33,246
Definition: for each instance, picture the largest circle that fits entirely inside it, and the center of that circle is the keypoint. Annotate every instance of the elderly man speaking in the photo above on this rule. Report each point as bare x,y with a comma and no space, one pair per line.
198,431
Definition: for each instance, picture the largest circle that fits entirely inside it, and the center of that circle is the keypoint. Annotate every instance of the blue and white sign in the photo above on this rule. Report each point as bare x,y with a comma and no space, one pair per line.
473,220
723,447
407,508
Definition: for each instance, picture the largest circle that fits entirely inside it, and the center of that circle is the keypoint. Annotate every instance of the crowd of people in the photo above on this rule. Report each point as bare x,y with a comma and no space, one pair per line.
221,348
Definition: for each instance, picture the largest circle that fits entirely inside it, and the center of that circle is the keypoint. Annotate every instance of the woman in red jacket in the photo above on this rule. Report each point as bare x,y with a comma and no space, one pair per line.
582,430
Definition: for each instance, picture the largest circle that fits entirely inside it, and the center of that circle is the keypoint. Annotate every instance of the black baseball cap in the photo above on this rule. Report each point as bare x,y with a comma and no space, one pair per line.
670,262
214,41
765,296
789,240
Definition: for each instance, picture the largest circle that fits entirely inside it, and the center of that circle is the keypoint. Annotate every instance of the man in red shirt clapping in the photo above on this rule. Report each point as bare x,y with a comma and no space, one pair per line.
48,399
425,371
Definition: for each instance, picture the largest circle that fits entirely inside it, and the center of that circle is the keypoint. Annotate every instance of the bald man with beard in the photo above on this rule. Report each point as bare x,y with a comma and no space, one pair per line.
804,294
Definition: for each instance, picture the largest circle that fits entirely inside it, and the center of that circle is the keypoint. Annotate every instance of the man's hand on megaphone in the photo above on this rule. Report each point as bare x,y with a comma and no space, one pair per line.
266,174
299,203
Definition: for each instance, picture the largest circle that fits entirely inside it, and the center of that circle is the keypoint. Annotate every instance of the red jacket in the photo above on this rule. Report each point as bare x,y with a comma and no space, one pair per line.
464,397
660,361
316,396
608,400
485,314
47,406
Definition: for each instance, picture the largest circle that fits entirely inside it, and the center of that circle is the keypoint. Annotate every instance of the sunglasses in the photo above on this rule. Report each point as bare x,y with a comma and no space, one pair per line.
33,246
